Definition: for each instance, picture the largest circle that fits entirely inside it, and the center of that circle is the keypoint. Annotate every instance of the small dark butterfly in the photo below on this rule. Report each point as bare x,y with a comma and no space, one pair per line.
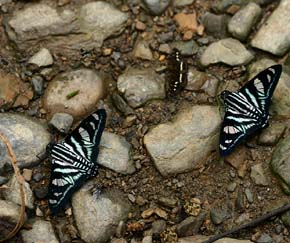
177,73
74,160
247,110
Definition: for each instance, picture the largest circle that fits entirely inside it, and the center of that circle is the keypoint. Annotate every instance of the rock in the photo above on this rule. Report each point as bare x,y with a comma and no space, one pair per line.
115,153
225,51
190,226
28,138
192,135
103,213
280,163
258,175
237,159
249,195
140,86
121,240
40,192
215,25
9,214
188,23
187,48
272,134
42,58
201,239
121,104
142,50
223,5
219,215
232,187
274,35
9,89
241,23
264,238
85,27
280,101
182,3
147,239
38,85
167,202
158,227
61,122
76,93
12,193
156,7
41,231
3,180
202,81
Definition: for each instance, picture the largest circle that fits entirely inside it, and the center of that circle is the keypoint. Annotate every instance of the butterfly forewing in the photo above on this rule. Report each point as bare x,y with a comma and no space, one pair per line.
247,109
74,160
262,86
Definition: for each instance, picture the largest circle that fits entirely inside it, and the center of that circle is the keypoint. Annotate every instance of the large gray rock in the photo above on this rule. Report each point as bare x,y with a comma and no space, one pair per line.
41,231
281,98
274,35
229,51
28,138
12,193
241,23
76,92
140,86
85,27
185,143
280,163
115,153
98,217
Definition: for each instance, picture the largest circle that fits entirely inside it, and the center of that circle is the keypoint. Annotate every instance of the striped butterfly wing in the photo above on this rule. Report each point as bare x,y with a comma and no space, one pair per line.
247,110
74,160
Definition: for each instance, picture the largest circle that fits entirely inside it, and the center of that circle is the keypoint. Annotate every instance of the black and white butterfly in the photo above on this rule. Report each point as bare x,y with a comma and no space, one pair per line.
177,73
74,160
247,110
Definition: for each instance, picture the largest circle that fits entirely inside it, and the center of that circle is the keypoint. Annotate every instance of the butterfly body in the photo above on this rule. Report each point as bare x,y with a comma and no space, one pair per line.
177,69
247,110
74,160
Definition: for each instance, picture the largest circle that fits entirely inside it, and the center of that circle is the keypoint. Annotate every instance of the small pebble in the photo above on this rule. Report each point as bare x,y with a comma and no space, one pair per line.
27,174
38,84
61,122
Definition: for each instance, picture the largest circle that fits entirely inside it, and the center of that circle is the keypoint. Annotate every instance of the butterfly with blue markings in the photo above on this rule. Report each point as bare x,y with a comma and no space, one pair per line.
74,160
247,110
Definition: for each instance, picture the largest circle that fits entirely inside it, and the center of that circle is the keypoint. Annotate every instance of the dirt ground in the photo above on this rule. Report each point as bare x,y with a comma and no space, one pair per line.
209,184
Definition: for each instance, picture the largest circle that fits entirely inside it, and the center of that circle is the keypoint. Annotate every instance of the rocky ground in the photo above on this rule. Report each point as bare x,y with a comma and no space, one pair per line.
161,178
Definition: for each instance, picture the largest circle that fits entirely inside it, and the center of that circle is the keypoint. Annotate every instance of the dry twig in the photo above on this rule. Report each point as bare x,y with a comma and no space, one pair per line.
252,223
20,180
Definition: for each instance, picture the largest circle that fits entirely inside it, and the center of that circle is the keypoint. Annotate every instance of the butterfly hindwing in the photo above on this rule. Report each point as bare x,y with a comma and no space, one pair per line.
247,109
74,160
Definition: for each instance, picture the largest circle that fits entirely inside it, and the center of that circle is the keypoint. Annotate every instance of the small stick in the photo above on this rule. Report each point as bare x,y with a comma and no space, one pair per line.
252,223
20,180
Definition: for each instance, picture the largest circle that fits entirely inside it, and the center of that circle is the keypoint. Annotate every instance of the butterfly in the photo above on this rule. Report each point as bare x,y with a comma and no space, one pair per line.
74,160
177,73
247,110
